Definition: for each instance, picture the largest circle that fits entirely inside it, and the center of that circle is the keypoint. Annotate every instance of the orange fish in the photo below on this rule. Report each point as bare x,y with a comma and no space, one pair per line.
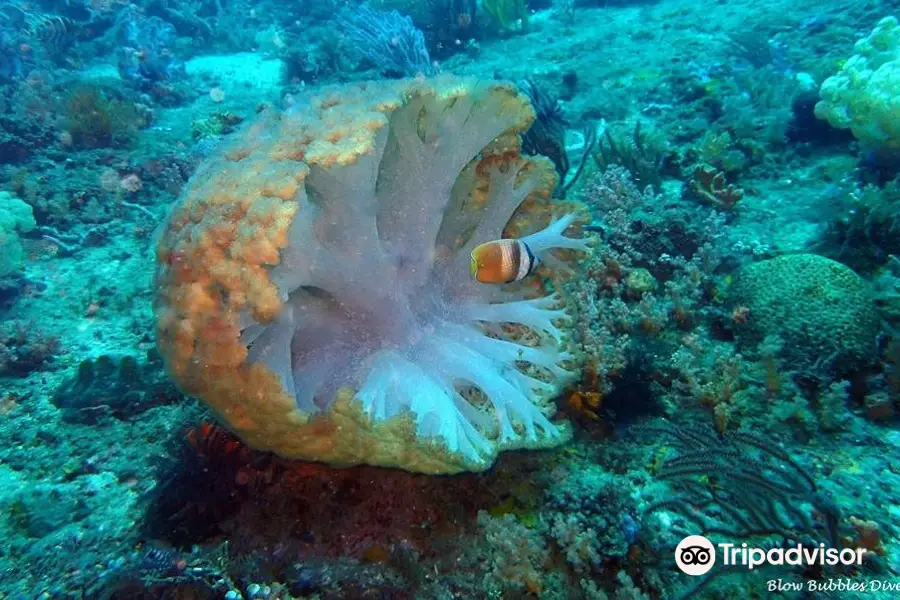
502,261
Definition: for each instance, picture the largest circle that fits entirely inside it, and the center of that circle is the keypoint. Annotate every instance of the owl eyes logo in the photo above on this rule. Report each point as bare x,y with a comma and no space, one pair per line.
695,555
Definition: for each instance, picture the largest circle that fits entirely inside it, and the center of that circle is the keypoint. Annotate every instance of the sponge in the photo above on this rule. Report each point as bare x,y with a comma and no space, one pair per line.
864,96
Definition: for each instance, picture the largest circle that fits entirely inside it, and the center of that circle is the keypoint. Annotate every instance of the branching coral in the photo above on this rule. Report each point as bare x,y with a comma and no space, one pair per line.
620,299
313,282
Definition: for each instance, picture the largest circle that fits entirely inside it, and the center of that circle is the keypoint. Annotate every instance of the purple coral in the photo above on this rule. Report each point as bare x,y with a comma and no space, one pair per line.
332,315
388,39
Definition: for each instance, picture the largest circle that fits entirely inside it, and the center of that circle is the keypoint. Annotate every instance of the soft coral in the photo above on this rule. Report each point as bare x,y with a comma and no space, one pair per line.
364,207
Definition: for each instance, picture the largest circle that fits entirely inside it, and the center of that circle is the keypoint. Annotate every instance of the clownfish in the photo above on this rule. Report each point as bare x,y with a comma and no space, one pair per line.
502,261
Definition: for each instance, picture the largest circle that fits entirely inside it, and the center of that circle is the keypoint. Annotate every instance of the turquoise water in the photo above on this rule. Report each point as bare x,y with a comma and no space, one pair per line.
445,299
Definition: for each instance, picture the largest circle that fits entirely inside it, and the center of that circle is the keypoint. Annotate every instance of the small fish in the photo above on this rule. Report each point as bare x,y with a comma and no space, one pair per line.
502,261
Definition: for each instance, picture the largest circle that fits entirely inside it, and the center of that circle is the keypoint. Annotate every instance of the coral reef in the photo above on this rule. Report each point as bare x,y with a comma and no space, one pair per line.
723,359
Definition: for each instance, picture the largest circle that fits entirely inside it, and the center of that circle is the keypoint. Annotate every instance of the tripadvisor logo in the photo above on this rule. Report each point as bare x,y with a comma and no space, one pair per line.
696,555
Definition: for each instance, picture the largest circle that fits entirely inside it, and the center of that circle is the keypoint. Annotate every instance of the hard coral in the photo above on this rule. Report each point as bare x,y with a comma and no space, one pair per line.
822,310
313,281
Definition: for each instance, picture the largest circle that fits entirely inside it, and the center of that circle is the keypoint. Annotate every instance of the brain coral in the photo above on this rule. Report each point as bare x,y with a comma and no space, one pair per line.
822,310
313,281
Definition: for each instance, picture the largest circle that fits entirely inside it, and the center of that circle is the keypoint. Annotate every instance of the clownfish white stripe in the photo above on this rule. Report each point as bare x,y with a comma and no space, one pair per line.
526,260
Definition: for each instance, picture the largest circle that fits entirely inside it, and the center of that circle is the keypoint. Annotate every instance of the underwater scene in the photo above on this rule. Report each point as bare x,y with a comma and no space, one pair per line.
449,299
